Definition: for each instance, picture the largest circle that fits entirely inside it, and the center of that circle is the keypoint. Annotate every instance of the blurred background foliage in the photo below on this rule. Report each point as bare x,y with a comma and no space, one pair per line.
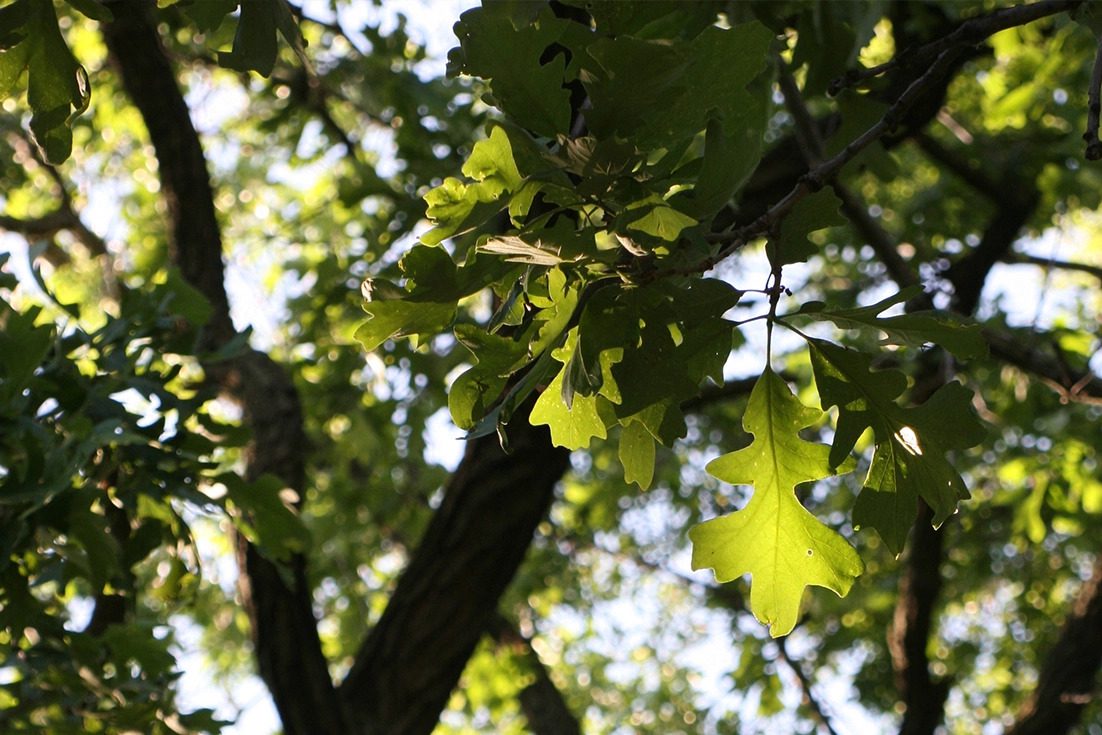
319,175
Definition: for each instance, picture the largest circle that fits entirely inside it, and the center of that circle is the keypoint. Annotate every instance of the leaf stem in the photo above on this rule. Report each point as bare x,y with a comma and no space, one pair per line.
774,289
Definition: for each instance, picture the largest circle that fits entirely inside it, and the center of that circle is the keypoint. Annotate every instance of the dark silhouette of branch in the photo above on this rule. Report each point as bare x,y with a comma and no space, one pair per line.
277,599
405,670
811,144
1069,677
1015,202
541,701
1094,108
969,274
1053,263
809,697
968,33
922,696
736,237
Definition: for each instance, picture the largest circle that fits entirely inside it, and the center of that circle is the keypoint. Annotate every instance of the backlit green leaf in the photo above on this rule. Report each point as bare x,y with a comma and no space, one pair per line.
575,426
958,334
774,538
388,319
637,454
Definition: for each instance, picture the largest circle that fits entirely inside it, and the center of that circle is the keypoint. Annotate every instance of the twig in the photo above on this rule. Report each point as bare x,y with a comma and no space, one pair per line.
810,142
805,685
968,33
1075,386
1094,108
815,179
1066,265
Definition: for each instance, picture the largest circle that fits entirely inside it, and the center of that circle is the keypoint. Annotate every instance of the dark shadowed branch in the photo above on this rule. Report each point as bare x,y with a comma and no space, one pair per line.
736,237
1054,264
912,622
284,630
541,701
1068,679
811,144
406,668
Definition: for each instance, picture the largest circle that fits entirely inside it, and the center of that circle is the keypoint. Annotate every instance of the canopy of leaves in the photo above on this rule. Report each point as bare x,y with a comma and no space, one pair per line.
651,234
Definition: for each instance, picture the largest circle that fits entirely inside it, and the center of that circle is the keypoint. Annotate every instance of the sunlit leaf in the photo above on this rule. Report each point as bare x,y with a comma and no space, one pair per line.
774,539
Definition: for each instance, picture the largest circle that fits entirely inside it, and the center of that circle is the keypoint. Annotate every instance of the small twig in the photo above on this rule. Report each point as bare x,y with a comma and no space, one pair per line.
1094,108
810,142
968,33
1074,386
1091,270
805,685
817,177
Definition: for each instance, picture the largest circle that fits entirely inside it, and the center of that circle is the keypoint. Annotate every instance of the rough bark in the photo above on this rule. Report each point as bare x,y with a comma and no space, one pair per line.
1069,677
284,630
410,662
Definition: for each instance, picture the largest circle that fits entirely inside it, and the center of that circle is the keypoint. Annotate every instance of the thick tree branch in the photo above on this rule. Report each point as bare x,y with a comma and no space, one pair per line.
923,697
968,33
1094,108
541,701
283,625
969,274
406,668
1069,678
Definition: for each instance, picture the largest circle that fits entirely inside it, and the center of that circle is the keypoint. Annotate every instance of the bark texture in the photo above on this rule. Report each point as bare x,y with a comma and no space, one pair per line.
446,598
284,630
912,622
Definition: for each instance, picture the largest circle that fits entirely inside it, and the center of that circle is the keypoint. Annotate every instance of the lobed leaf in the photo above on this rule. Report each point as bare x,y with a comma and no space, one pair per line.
774,539
911,444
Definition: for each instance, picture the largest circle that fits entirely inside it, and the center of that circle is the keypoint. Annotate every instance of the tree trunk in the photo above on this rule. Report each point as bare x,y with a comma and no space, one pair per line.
406,669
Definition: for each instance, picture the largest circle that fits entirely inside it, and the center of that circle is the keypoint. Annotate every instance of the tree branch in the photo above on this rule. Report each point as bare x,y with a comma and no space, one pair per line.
806,688
811,144
1074,386
406,668
541,701
284,630
1094,108
1069,676
968,33
922,696
1047,263
734,238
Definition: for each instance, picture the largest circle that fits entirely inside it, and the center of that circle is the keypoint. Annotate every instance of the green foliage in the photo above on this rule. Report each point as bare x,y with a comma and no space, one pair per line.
606,233
774,538
577,260
910,459
57,86
92,498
